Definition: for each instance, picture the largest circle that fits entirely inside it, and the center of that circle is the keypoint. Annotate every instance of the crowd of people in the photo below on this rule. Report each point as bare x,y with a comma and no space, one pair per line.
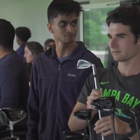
45,82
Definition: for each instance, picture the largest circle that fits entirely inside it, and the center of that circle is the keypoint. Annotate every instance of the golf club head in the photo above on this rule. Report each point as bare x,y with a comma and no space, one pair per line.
132,114
84,114
3,118
105,104
83,64
68,135
14,114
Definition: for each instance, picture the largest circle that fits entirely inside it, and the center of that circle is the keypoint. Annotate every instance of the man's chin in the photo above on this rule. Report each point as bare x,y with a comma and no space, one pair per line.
69,42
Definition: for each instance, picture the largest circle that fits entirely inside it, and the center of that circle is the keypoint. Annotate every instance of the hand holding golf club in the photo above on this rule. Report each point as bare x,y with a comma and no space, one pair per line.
95,94
104,126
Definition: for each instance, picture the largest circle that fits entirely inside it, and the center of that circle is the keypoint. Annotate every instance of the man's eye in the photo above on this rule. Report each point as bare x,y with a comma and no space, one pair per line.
74,23
63,24
109,37
121,36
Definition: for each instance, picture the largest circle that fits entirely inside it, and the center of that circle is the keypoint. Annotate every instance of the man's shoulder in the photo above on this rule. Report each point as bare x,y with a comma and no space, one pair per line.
11,62
40,57
92,58
105,73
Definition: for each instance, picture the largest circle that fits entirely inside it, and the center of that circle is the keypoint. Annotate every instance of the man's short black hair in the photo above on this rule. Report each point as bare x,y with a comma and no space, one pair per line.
23,33
7,34
127,15
63,7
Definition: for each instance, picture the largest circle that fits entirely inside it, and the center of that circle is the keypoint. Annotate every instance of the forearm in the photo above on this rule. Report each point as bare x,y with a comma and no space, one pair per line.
76,124
135,137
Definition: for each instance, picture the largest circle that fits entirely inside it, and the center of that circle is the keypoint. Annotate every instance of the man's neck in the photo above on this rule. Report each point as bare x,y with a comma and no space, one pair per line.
3,53
21,42
64,50
129,68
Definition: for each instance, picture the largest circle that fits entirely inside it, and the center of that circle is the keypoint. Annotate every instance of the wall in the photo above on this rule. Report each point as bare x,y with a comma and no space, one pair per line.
29,13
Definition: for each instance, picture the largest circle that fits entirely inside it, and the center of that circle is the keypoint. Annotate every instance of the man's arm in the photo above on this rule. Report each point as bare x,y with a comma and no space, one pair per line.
75,123
135,137
33,107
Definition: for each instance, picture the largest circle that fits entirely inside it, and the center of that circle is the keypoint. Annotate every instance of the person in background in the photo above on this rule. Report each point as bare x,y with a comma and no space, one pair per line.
55,80
31,50
22,36
120,81
48,44
14,87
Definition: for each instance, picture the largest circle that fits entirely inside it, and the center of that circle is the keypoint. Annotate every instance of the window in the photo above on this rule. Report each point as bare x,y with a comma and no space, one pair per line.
95,30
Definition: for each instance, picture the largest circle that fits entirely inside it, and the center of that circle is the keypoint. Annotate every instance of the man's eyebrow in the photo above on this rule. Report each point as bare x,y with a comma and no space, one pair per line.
75,20
63,21
120,34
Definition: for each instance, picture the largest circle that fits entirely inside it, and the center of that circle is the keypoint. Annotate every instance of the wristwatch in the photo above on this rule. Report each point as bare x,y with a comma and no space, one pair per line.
133,130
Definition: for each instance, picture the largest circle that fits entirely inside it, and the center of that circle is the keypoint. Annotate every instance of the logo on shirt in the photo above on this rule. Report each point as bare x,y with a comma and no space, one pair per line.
71,75
104,83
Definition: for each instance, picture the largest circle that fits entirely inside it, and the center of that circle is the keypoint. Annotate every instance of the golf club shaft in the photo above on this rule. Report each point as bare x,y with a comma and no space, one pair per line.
113,125
96,87
99,113
90,127
137,128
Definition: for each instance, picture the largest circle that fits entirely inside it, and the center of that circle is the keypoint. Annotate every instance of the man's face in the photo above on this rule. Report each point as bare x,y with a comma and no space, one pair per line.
122,42
64,28
49,45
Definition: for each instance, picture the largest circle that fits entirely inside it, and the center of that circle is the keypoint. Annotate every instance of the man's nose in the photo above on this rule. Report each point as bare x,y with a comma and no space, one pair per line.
113,43
69,28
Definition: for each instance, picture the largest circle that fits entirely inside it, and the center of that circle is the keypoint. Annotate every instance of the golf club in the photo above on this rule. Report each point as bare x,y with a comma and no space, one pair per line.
108,105
86,115
68,135
83,64
133,114
9,117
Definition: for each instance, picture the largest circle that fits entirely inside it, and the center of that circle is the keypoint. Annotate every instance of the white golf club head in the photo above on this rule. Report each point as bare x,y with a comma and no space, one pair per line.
83,64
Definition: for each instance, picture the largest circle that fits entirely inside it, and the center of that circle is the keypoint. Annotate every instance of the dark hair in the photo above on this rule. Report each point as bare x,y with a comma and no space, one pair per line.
48,41
23,33
128,16
34,47
7,34
63,7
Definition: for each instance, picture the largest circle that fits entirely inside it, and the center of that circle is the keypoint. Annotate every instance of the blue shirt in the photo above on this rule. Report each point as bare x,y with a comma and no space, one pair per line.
20,51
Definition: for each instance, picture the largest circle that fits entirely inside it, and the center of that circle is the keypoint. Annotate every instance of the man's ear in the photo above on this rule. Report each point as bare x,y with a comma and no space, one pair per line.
49,26
139,40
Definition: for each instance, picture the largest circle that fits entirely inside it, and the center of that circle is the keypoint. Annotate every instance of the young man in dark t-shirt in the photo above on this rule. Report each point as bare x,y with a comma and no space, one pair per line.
121,81
14,87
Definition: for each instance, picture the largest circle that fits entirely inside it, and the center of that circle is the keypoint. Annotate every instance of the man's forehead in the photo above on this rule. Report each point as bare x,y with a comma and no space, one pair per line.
118,28
66,17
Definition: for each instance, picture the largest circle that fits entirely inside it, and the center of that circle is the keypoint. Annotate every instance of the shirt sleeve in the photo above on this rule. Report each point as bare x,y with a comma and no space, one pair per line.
33,107
86,90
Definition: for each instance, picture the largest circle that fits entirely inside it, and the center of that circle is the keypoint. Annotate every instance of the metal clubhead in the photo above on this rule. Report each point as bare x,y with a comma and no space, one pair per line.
83,114
128,114
133,114
4,118
68,135
83,64
104,104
